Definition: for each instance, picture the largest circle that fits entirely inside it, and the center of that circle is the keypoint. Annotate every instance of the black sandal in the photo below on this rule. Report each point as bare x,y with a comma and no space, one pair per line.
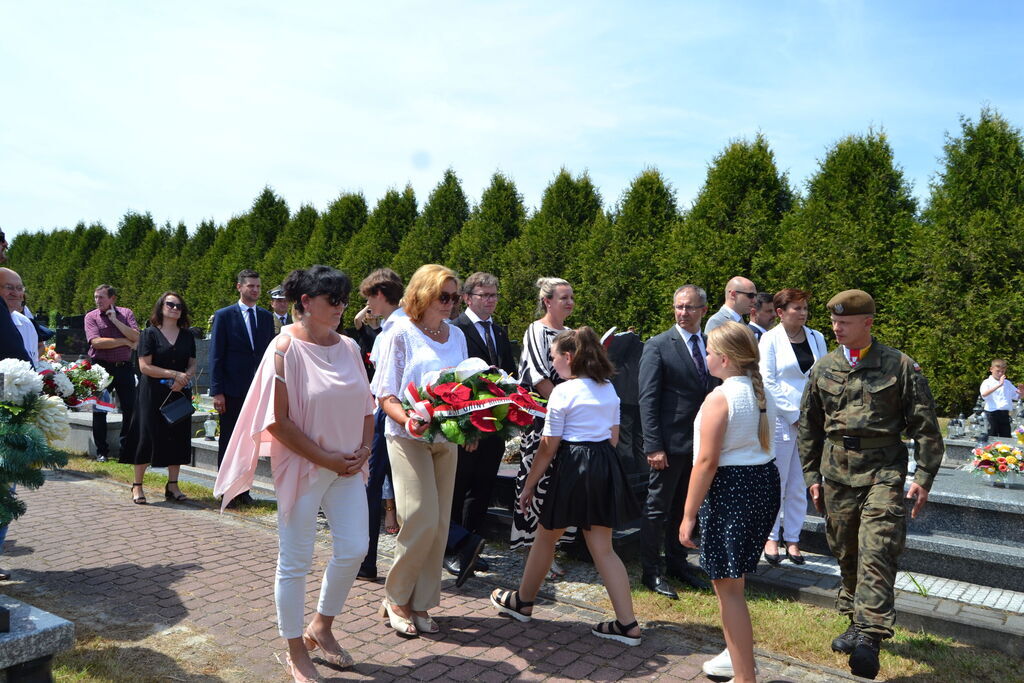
508,602
613,630
138,500
170,496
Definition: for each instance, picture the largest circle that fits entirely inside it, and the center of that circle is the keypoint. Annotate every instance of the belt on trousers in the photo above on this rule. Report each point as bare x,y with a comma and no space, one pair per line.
860,443
114,363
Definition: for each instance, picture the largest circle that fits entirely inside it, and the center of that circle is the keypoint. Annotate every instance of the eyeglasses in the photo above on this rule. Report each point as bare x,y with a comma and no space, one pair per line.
750,294
14,288
689,309
446,298
337,301
486,297
174,304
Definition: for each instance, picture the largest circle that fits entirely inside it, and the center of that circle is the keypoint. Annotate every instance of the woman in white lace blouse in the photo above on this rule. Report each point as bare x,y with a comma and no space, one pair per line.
423,473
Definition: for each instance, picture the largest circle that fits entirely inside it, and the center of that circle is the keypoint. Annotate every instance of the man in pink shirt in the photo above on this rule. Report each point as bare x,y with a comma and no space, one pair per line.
112,334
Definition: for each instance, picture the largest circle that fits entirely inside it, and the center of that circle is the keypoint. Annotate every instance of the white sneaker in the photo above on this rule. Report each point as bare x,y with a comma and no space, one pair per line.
721,665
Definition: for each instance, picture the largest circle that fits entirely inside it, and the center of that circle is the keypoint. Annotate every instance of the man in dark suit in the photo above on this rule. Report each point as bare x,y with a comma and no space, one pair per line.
762,314
477,471
279,304
240,334
674,380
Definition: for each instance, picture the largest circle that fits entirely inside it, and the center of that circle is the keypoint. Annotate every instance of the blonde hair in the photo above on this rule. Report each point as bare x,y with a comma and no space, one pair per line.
737,342
424,287
546,289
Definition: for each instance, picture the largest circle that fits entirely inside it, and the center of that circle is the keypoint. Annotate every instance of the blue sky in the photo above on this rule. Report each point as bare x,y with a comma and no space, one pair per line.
188,109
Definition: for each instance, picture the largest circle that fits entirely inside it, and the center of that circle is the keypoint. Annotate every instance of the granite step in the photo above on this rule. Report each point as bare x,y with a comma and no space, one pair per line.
973,613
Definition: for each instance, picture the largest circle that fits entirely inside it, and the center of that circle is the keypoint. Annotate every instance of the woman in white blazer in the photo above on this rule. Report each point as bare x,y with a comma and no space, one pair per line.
788,351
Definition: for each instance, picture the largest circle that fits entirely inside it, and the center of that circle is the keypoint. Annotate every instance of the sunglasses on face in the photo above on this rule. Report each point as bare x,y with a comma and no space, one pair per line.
173,304
446,298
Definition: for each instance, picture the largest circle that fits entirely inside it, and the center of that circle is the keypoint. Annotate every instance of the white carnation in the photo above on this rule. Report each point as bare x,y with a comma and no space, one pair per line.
104,378
20,380
64,386
52,419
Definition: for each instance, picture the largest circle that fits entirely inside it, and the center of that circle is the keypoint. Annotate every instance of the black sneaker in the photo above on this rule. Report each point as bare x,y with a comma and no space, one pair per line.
101,458
864,660
847,641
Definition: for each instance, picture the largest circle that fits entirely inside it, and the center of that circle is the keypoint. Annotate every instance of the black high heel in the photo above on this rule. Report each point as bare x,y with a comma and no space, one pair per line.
141,499
170,496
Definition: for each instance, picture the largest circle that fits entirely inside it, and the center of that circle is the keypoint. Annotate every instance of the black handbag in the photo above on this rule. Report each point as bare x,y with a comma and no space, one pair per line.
177,410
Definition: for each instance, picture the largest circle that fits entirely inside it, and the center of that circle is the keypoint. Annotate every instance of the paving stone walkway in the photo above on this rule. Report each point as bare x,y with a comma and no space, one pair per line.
170,565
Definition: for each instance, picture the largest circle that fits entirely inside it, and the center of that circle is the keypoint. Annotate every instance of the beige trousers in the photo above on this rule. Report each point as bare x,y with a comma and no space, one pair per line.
423,475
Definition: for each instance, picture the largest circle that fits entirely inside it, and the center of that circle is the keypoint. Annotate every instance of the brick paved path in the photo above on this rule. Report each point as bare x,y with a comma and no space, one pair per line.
168,564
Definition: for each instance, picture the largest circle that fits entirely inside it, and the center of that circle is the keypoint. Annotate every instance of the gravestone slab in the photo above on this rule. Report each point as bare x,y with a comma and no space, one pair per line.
34,635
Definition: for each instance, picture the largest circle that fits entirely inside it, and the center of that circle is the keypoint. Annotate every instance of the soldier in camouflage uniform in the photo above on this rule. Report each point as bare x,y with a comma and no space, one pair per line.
859,400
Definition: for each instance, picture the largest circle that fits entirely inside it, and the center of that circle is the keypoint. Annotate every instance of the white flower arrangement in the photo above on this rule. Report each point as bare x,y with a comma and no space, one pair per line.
20,381
52,419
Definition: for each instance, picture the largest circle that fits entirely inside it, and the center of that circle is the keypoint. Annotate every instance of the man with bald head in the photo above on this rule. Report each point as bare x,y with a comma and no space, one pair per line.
11,345
13,292
740,294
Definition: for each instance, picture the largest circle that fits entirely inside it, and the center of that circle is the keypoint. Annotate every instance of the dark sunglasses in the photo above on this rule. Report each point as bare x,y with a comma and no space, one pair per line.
173,304
336,300
446,298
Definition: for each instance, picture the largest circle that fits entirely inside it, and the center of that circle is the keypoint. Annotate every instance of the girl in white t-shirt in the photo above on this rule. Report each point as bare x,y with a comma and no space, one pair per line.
588,487
734,487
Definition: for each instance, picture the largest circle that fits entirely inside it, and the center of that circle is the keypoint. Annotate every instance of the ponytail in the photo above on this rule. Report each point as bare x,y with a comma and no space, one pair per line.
763,435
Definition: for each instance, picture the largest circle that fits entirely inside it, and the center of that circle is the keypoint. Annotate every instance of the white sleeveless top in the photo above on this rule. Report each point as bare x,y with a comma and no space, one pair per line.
740,445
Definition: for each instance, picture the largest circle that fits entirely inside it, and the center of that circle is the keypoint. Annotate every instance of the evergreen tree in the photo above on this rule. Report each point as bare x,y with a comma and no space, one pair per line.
733,227
254,233
345,216
444,214
550,240
492,225
375,244
289,251
852,231
962,312
621,285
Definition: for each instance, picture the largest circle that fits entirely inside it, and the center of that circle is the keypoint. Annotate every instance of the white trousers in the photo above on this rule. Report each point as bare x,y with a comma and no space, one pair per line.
793,508
343,500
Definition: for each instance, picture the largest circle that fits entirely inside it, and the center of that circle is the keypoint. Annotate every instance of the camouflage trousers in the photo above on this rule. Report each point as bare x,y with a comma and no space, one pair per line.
866,530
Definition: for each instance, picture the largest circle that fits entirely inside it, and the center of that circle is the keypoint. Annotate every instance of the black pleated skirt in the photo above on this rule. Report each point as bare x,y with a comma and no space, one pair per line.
588,487
736,517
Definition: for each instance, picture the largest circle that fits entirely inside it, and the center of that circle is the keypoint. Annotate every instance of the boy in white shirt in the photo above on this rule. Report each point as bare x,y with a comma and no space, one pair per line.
999,394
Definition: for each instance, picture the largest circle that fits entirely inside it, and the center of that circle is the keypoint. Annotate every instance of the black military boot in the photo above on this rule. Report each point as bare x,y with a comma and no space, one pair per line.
864,660
846,641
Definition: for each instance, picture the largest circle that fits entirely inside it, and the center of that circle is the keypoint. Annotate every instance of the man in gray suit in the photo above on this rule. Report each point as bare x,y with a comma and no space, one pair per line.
673,382
739,299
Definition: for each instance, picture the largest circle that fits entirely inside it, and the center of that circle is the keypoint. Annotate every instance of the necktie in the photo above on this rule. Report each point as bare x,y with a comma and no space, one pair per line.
698,360
492,351
252,327
284,319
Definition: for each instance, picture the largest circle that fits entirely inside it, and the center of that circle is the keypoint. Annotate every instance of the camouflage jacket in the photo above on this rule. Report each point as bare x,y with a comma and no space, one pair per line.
885,396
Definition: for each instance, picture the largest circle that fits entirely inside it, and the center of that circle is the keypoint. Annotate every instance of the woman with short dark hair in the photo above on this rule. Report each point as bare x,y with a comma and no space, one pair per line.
167,361
310,410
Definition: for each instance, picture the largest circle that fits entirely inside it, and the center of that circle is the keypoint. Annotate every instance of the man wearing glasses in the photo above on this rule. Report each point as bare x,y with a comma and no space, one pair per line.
476,472
740,294
112,334
11,345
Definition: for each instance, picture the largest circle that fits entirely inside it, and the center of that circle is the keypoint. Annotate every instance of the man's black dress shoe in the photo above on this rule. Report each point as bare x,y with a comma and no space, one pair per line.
688,576
660,586
367,574
462,563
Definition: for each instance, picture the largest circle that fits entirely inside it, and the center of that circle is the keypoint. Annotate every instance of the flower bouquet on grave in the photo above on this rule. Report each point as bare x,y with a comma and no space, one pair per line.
998,460
29,422
469,402
50,354
89,381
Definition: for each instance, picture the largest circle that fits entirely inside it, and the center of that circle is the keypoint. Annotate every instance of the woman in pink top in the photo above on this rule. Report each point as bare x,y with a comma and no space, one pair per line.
310,409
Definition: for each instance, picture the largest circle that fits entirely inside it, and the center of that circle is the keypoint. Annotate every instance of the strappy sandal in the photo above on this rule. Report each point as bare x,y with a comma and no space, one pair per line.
555,572
141,498
341,660
404,627
391,529
177,498
508,602
425,624
613,630
296,676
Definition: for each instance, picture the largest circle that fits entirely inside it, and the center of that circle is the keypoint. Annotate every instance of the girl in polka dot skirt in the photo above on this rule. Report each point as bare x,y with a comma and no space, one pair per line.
734,489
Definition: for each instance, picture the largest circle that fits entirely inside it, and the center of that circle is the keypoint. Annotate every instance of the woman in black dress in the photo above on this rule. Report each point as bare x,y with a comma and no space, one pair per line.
167,351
